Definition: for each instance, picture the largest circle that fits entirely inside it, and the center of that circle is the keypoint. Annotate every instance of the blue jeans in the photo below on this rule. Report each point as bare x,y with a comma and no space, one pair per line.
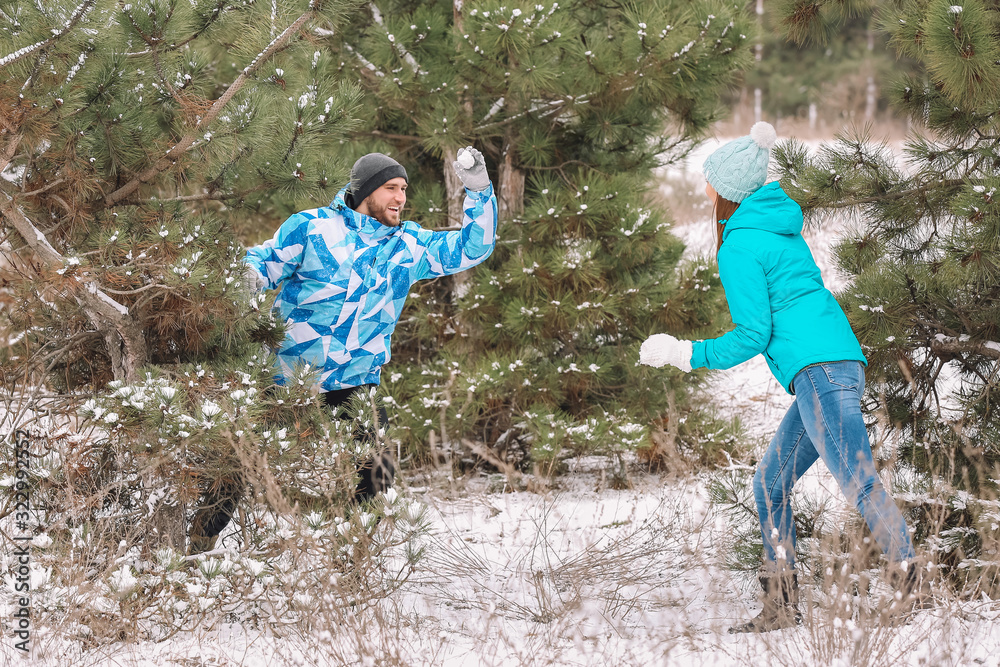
825,422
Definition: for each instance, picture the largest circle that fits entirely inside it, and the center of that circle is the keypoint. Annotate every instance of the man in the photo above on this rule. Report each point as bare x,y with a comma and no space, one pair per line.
343,273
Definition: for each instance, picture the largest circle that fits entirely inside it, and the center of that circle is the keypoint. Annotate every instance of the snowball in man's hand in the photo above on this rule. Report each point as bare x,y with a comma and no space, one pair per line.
466,159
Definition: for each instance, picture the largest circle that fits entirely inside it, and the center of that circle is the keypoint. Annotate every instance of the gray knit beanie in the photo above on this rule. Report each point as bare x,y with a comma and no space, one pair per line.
739,168
368,174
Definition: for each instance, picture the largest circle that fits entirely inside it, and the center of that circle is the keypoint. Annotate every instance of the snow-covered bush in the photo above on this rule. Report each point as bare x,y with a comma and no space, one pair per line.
111,498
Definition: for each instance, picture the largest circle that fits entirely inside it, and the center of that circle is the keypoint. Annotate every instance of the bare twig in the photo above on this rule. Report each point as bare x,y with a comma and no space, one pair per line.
138,289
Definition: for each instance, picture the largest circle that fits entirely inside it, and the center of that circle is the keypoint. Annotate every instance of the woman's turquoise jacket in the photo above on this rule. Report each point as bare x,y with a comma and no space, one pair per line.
776,295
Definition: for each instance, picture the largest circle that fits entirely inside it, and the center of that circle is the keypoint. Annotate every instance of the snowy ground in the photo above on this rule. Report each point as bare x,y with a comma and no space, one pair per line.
577,576
581,574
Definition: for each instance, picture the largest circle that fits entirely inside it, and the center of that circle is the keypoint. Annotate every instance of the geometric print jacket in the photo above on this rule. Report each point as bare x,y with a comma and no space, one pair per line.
344,278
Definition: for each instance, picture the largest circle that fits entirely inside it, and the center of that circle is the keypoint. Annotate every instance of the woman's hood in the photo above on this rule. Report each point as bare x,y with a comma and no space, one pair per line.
770,210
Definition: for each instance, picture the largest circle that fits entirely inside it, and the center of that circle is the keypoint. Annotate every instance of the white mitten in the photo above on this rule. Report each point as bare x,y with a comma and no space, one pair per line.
471,169
253,282
661,349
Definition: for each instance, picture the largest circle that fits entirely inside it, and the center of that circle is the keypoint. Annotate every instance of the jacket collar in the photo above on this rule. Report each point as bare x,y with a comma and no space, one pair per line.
359,222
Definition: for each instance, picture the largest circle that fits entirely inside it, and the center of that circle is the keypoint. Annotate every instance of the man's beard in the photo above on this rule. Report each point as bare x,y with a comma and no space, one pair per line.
382,213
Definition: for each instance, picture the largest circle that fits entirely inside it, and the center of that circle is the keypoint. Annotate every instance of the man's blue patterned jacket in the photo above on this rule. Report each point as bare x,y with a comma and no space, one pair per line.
344,277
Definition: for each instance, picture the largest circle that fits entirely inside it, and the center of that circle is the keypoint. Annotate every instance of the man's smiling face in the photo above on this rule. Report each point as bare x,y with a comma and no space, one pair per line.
386,203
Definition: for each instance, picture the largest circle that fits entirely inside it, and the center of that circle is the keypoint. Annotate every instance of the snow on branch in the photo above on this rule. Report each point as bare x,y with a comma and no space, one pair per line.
26,51
367,64
541,107
493,110
107,300
397,47
964,344
123,336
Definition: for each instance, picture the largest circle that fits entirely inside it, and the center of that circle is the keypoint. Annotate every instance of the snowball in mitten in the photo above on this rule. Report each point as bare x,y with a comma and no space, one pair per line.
471,169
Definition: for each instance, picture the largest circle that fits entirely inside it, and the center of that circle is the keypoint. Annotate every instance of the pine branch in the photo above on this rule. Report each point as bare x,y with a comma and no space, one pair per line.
172,155
367,64
205,196
546,107
497,106
82,9
32,235
127,11
893,196
216,15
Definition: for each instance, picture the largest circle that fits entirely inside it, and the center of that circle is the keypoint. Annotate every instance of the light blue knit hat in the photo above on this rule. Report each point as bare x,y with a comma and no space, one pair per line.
739,168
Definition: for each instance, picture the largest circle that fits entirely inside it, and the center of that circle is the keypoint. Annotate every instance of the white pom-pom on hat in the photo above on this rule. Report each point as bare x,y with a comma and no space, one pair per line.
763,135
738,168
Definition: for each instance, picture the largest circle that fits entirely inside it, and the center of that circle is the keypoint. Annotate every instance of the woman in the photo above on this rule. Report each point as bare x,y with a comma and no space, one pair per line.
780,308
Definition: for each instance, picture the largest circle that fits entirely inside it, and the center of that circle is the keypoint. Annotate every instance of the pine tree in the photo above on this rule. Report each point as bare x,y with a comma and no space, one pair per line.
924,259
136,142
133,137
574,103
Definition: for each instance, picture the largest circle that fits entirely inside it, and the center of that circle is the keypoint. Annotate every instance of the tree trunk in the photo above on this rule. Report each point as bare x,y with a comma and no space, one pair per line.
453,184
511,195
454,190
126,348
758,56
871,99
